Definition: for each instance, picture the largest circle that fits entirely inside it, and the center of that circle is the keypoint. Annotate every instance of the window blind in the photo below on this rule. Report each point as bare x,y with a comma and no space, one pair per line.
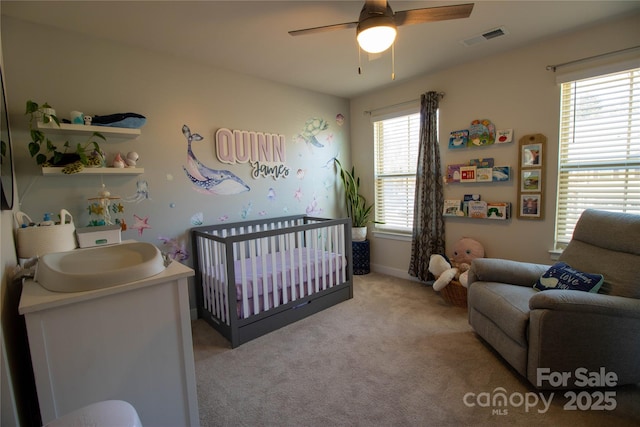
599,159
396,142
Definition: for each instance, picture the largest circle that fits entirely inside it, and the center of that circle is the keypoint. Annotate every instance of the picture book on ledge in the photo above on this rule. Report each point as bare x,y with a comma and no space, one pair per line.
472,207
458,139
452,208
464,172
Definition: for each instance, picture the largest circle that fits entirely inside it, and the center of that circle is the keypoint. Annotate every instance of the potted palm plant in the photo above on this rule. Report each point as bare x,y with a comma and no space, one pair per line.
357,208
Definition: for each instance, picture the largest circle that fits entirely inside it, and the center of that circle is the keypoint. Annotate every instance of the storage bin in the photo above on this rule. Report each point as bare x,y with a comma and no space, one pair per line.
454,293
40,240
89,237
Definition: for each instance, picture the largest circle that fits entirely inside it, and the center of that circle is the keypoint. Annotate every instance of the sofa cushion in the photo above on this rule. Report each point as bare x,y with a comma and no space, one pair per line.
562,276
618,232
620,269
505,305
607,243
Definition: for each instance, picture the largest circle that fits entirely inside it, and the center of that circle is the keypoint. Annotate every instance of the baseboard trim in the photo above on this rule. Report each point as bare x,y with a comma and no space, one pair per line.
395,272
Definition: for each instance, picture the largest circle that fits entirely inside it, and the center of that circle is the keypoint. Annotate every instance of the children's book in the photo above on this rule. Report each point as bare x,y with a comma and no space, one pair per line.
468,174
498,210
458,139
452,208
482,163
465,202
453,173
501,173
484,175
504,136
478,209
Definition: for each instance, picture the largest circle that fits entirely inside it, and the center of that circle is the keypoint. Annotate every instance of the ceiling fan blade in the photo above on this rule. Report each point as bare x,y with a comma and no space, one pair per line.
431,14
316,30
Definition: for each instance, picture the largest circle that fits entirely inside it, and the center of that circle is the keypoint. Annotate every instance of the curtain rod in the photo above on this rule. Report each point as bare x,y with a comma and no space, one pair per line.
440,95
564,64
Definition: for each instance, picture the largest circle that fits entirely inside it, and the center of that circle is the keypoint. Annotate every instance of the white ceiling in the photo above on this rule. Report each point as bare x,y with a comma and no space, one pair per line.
250,37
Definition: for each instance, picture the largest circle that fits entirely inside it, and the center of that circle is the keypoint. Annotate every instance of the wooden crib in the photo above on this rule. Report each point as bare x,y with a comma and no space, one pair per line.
257,276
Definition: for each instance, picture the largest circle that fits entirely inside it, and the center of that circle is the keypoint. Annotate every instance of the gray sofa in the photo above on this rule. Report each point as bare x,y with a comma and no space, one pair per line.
576,334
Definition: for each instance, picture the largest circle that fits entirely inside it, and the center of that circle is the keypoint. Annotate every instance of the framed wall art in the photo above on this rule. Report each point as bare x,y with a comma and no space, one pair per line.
530,155
531,176
530,206
531,180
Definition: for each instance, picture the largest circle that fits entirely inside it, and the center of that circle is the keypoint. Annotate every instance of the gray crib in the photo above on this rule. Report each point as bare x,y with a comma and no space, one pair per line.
257,276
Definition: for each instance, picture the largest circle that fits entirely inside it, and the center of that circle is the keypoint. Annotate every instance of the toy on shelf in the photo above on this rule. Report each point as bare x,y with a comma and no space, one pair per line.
130,161
106,210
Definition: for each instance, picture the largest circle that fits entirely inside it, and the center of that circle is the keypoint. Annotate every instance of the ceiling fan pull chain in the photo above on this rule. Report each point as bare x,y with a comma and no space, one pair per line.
359,63
393,61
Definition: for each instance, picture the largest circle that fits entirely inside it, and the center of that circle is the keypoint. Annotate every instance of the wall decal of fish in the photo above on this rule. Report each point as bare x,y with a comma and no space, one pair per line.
207,180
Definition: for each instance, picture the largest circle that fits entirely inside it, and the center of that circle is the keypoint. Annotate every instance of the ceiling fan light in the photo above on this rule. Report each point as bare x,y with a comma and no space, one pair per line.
376,39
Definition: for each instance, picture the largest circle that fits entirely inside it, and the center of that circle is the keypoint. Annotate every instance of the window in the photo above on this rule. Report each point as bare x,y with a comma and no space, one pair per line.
396,156
599,159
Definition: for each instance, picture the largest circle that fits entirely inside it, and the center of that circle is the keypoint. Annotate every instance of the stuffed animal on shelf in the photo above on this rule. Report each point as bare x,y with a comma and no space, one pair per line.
464,251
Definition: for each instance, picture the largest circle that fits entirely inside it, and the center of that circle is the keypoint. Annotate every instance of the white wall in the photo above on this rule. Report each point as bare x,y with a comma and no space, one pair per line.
514,91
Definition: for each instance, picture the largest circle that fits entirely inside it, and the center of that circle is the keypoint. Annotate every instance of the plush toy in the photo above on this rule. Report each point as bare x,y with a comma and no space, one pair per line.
464,251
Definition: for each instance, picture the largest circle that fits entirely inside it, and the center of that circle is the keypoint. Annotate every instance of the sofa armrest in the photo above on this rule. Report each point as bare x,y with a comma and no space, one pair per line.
505,271
586,302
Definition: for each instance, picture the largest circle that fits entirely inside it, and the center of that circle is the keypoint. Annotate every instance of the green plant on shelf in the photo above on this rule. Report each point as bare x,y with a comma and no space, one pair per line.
47,153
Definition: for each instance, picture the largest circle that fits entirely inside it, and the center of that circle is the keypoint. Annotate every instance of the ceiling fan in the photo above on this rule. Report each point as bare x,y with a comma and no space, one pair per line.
376,26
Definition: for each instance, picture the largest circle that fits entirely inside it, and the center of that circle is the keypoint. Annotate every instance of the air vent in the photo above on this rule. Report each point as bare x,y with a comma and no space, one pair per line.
488,35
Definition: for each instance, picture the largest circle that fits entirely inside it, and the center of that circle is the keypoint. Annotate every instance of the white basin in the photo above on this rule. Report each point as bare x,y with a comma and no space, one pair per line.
97,268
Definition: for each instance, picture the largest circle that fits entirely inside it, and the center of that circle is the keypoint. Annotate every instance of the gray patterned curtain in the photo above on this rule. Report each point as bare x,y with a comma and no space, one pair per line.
428,223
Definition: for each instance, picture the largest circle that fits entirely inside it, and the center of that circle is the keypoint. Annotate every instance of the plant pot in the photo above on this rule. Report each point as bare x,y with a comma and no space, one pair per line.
66,159
358,234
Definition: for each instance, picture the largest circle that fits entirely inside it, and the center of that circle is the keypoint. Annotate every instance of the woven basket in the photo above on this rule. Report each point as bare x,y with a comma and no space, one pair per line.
454,293
37,241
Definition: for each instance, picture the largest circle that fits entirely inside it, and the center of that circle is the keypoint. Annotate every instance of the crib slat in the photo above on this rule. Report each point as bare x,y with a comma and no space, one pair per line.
210,272
292,249
254,276
283,262
342,251
222,285
323,259
264,251
314,237
225,292
308,244
328,248
202,255
212,279
243,279
301,266
274,272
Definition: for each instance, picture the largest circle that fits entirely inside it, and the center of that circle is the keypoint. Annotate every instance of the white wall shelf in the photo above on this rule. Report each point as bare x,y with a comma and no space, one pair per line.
107,131
93,171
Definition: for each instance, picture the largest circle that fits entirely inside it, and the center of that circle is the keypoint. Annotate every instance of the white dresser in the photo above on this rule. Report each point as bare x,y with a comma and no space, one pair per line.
130,342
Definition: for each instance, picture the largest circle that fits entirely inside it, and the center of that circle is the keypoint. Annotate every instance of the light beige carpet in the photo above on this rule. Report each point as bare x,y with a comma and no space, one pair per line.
394,355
